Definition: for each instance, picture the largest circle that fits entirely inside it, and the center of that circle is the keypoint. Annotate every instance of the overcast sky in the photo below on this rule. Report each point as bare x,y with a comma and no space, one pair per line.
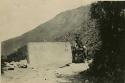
20,16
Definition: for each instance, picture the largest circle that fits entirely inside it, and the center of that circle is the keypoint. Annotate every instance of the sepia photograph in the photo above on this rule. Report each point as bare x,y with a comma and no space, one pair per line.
62,41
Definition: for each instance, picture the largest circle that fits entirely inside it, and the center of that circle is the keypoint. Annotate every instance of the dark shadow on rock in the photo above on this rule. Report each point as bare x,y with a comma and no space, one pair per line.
84,77
81,77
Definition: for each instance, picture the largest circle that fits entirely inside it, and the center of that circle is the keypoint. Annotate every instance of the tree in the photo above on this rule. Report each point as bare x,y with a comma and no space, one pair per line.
110,20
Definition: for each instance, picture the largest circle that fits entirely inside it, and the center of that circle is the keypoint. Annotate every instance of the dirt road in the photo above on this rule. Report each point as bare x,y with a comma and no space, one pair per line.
45,75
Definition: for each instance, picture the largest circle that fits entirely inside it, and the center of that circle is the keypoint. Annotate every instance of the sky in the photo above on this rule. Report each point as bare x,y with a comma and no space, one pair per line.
20,16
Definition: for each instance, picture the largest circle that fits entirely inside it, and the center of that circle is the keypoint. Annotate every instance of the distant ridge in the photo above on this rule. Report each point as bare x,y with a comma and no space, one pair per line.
61,28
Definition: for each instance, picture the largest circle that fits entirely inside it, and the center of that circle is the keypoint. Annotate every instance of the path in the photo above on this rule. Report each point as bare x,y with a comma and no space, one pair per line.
45,75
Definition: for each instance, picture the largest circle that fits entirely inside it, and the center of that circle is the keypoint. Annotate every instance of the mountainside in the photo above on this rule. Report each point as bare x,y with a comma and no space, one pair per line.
61,28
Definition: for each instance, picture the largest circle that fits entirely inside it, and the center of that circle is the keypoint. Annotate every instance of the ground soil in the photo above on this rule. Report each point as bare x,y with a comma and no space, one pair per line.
64,74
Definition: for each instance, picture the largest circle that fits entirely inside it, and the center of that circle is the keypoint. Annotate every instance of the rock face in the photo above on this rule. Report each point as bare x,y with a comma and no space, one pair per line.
61,28
49,54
